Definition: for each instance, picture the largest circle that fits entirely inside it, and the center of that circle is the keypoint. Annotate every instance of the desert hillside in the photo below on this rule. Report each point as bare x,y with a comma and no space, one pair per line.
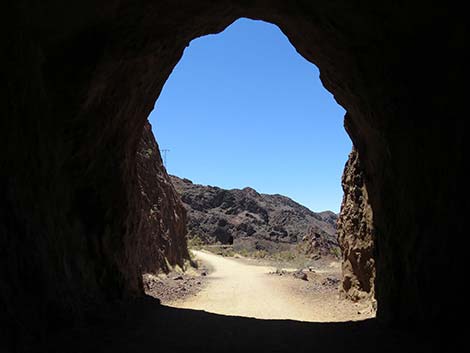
251,220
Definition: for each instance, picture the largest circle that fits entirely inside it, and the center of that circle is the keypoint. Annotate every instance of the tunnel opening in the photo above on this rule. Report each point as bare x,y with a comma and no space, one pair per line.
253,144
81,80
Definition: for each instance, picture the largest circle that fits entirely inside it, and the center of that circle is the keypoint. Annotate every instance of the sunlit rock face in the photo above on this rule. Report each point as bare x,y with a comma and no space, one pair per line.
355,232
162,235
80,78
254,221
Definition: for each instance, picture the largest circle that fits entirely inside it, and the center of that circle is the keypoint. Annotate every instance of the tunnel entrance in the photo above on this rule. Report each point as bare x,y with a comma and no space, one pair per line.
80,82
254,143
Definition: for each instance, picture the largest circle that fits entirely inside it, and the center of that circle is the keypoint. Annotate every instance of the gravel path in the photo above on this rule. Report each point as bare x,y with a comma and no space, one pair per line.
240,289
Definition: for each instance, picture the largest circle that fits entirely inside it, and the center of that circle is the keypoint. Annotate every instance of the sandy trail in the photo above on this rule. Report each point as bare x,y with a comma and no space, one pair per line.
240,289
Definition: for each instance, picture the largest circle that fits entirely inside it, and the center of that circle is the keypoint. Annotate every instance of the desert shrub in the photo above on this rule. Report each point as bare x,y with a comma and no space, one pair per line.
195,243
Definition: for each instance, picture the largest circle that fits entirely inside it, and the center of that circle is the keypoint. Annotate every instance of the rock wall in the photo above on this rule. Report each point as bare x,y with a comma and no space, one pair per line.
79,79
162,235
355,231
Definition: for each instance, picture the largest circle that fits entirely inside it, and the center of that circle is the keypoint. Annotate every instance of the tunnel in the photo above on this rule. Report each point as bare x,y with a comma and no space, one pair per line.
80,79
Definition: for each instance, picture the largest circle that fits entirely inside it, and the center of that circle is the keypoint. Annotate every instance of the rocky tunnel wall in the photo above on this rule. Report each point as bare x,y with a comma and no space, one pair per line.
162,232
355,231
81,78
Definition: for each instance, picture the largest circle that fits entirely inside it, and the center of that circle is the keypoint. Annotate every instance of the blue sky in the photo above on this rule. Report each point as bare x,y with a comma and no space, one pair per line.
243,108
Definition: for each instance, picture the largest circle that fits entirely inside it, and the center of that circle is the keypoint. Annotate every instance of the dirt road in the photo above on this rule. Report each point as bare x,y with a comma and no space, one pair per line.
239,289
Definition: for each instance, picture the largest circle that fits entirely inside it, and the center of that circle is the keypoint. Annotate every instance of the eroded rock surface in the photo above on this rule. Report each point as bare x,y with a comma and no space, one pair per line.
163,227
356,233
251,220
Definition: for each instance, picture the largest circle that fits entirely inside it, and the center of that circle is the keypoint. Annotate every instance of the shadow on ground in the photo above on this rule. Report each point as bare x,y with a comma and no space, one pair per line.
146,326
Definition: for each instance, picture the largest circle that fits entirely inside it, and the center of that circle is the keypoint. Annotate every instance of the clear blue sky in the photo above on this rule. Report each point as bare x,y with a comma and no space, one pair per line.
243,108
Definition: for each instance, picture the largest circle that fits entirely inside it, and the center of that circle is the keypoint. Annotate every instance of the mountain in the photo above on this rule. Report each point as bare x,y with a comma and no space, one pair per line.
260,221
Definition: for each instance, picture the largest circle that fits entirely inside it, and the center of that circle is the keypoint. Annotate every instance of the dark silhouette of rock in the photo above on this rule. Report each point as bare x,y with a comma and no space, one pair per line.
356,233
246,216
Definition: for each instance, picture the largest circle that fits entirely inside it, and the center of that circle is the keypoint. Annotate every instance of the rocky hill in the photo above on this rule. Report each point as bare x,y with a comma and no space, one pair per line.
247,218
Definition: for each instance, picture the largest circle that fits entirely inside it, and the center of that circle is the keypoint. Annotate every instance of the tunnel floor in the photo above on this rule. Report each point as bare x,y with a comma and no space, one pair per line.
147,326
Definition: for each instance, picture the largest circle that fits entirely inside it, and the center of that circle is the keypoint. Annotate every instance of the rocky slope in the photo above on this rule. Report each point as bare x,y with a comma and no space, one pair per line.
265,222
356,233
163,217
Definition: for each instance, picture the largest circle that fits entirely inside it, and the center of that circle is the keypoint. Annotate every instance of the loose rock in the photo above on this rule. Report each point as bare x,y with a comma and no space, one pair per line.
300,275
